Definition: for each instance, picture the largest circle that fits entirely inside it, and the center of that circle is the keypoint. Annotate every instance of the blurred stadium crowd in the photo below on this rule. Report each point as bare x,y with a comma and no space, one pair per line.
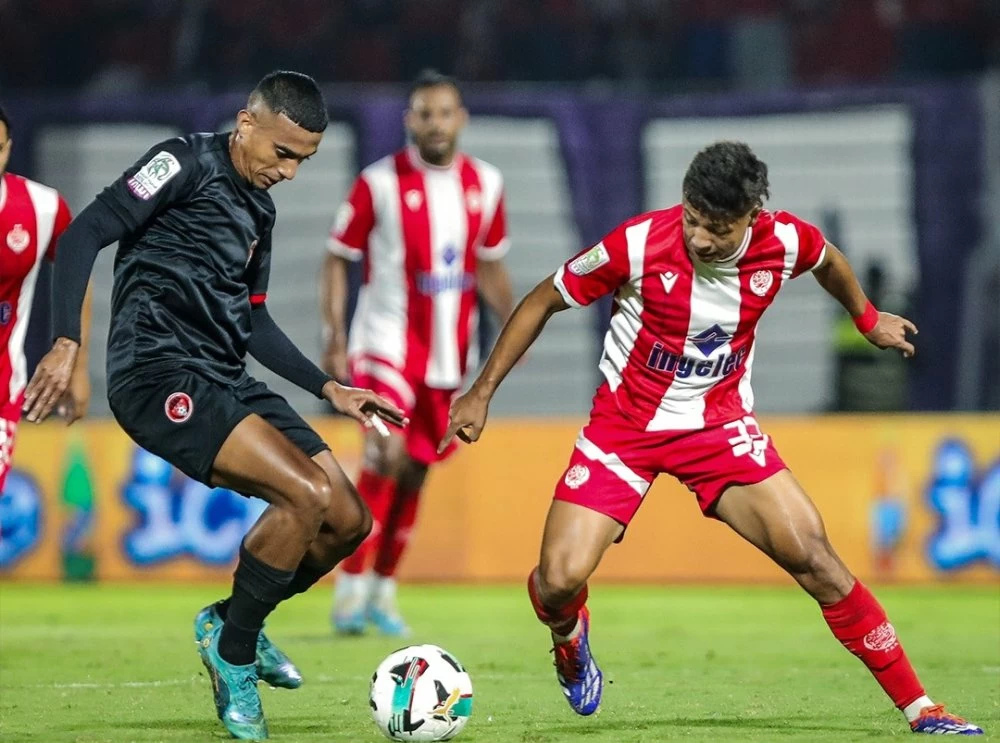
664,45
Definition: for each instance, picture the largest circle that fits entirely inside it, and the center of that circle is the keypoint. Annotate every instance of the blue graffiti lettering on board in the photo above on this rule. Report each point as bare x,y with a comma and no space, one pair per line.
178,516
968,507
20,518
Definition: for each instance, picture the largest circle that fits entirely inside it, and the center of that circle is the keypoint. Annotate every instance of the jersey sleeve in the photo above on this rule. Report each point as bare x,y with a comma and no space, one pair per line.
596,271
354,222
496,244
161,177
812,244
63,218
259,272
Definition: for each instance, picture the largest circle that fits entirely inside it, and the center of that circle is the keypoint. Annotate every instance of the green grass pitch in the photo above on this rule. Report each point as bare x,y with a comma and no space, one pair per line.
117,663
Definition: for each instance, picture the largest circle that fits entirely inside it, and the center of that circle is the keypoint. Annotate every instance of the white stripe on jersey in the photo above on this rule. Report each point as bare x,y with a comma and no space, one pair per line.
715,300
789,237
379,324
627,321
45,200
446,212
613,463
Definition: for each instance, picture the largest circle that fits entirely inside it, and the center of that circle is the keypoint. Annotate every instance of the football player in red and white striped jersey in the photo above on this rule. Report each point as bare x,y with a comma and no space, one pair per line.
32,217
428,224
690,284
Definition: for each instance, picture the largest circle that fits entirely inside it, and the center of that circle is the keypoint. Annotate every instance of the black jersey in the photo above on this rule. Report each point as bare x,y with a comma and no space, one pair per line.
196,256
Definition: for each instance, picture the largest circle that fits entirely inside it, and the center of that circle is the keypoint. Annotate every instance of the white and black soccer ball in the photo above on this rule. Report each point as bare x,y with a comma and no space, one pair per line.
421,692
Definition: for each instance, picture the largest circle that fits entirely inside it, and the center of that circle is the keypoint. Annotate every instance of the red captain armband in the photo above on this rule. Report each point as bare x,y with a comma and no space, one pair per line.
256,299
867,320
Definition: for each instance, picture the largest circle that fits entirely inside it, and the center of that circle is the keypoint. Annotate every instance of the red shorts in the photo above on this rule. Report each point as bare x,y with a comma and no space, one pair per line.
426,407
614,464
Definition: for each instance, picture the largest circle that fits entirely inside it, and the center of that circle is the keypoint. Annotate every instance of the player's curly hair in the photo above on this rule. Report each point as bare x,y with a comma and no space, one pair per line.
295,95
725,181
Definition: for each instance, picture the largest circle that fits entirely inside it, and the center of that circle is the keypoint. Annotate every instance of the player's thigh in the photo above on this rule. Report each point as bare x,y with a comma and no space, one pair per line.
274,409
779,518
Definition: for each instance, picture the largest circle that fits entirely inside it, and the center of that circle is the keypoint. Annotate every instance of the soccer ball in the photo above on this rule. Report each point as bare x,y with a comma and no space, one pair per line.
421,692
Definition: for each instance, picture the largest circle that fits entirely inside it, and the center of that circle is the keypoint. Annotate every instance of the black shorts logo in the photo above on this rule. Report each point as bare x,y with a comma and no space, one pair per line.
178,407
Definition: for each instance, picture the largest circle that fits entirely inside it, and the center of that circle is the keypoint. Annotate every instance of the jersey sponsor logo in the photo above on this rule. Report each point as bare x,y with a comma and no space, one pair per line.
18,238
590,261
430,283
669,279
6,312
660,359
881,638
760,282
708,341
576,476
413,199
178,407
473,201
154,175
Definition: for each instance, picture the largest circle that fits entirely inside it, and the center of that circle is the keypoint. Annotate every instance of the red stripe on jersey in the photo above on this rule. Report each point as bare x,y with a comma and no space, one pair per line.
472,195
416,226
256,299
664,334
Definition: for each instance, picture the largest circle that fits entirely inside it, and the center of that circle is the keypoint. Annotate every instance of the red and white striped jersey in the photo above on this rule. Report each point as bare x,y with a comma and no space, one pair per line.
32,217
679,352
420,230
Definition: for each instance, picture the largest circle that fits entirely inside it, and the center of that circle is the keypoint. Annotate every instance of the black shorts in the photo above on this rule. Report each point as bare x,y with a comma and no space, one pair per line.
184,417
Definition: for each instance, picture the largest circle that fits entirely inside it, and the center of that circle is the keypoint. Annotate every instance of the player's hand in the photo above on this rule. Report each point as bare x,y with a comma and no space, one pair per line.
76,400
362,404
466,418
335,360
890,332
50,380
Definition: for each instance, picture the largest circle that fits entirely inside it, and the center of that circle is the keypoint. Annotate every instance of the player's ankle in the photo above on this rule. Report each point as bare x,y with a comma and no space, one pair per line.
913,709
567,632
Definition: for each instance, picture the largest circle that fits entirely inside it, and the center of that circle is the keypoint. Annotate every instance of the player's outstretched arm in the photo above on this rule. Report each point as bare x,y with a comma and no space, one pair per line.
333,298
882,329
467,416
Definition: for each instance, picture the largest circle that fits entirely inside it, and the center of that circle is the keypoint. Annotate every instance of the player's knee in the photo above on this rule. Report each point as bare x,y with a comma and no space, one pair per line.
358,523
561,577
812,557
314,499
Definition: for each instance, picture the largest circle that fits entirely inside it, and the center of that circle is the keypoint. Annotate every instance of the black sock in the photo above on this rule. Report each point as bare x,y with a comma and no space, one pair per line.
304,579
257,589
222,608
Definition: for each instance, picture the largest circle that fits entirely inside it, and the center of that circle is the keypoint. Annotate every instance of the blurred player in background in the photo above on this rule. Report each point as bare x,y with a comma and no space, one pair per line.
428,223
32,217
194,220
691,283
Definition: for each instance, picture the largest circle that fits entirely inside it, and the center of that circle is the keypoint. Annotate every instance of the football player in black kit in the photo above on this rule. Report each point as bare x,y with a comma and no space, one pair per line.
193,220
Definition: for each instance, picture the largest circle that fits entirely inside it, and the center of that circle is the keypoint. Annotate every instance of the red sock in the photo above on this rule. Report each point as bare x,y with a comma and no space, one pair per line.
396,535
376,491
560,619
859,622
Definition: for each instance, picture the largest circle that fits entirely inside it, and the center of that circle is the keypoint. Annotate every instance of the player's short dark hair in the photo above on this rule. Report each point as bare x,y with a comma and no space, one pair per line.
431,78
725,181
5,121
295,95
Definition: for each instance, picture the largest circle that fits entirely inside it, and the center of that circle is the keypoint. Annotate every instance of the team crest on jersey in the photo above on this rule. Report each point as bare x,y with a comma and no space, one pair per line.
760,282
6,311
178,407
576,476
593,259
154,175
474,200
413,199
18,238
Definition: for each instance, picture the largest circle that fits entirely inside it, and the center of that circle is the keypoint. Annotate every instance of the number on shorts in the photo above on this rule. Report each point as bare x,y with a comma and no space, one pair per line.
749,440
